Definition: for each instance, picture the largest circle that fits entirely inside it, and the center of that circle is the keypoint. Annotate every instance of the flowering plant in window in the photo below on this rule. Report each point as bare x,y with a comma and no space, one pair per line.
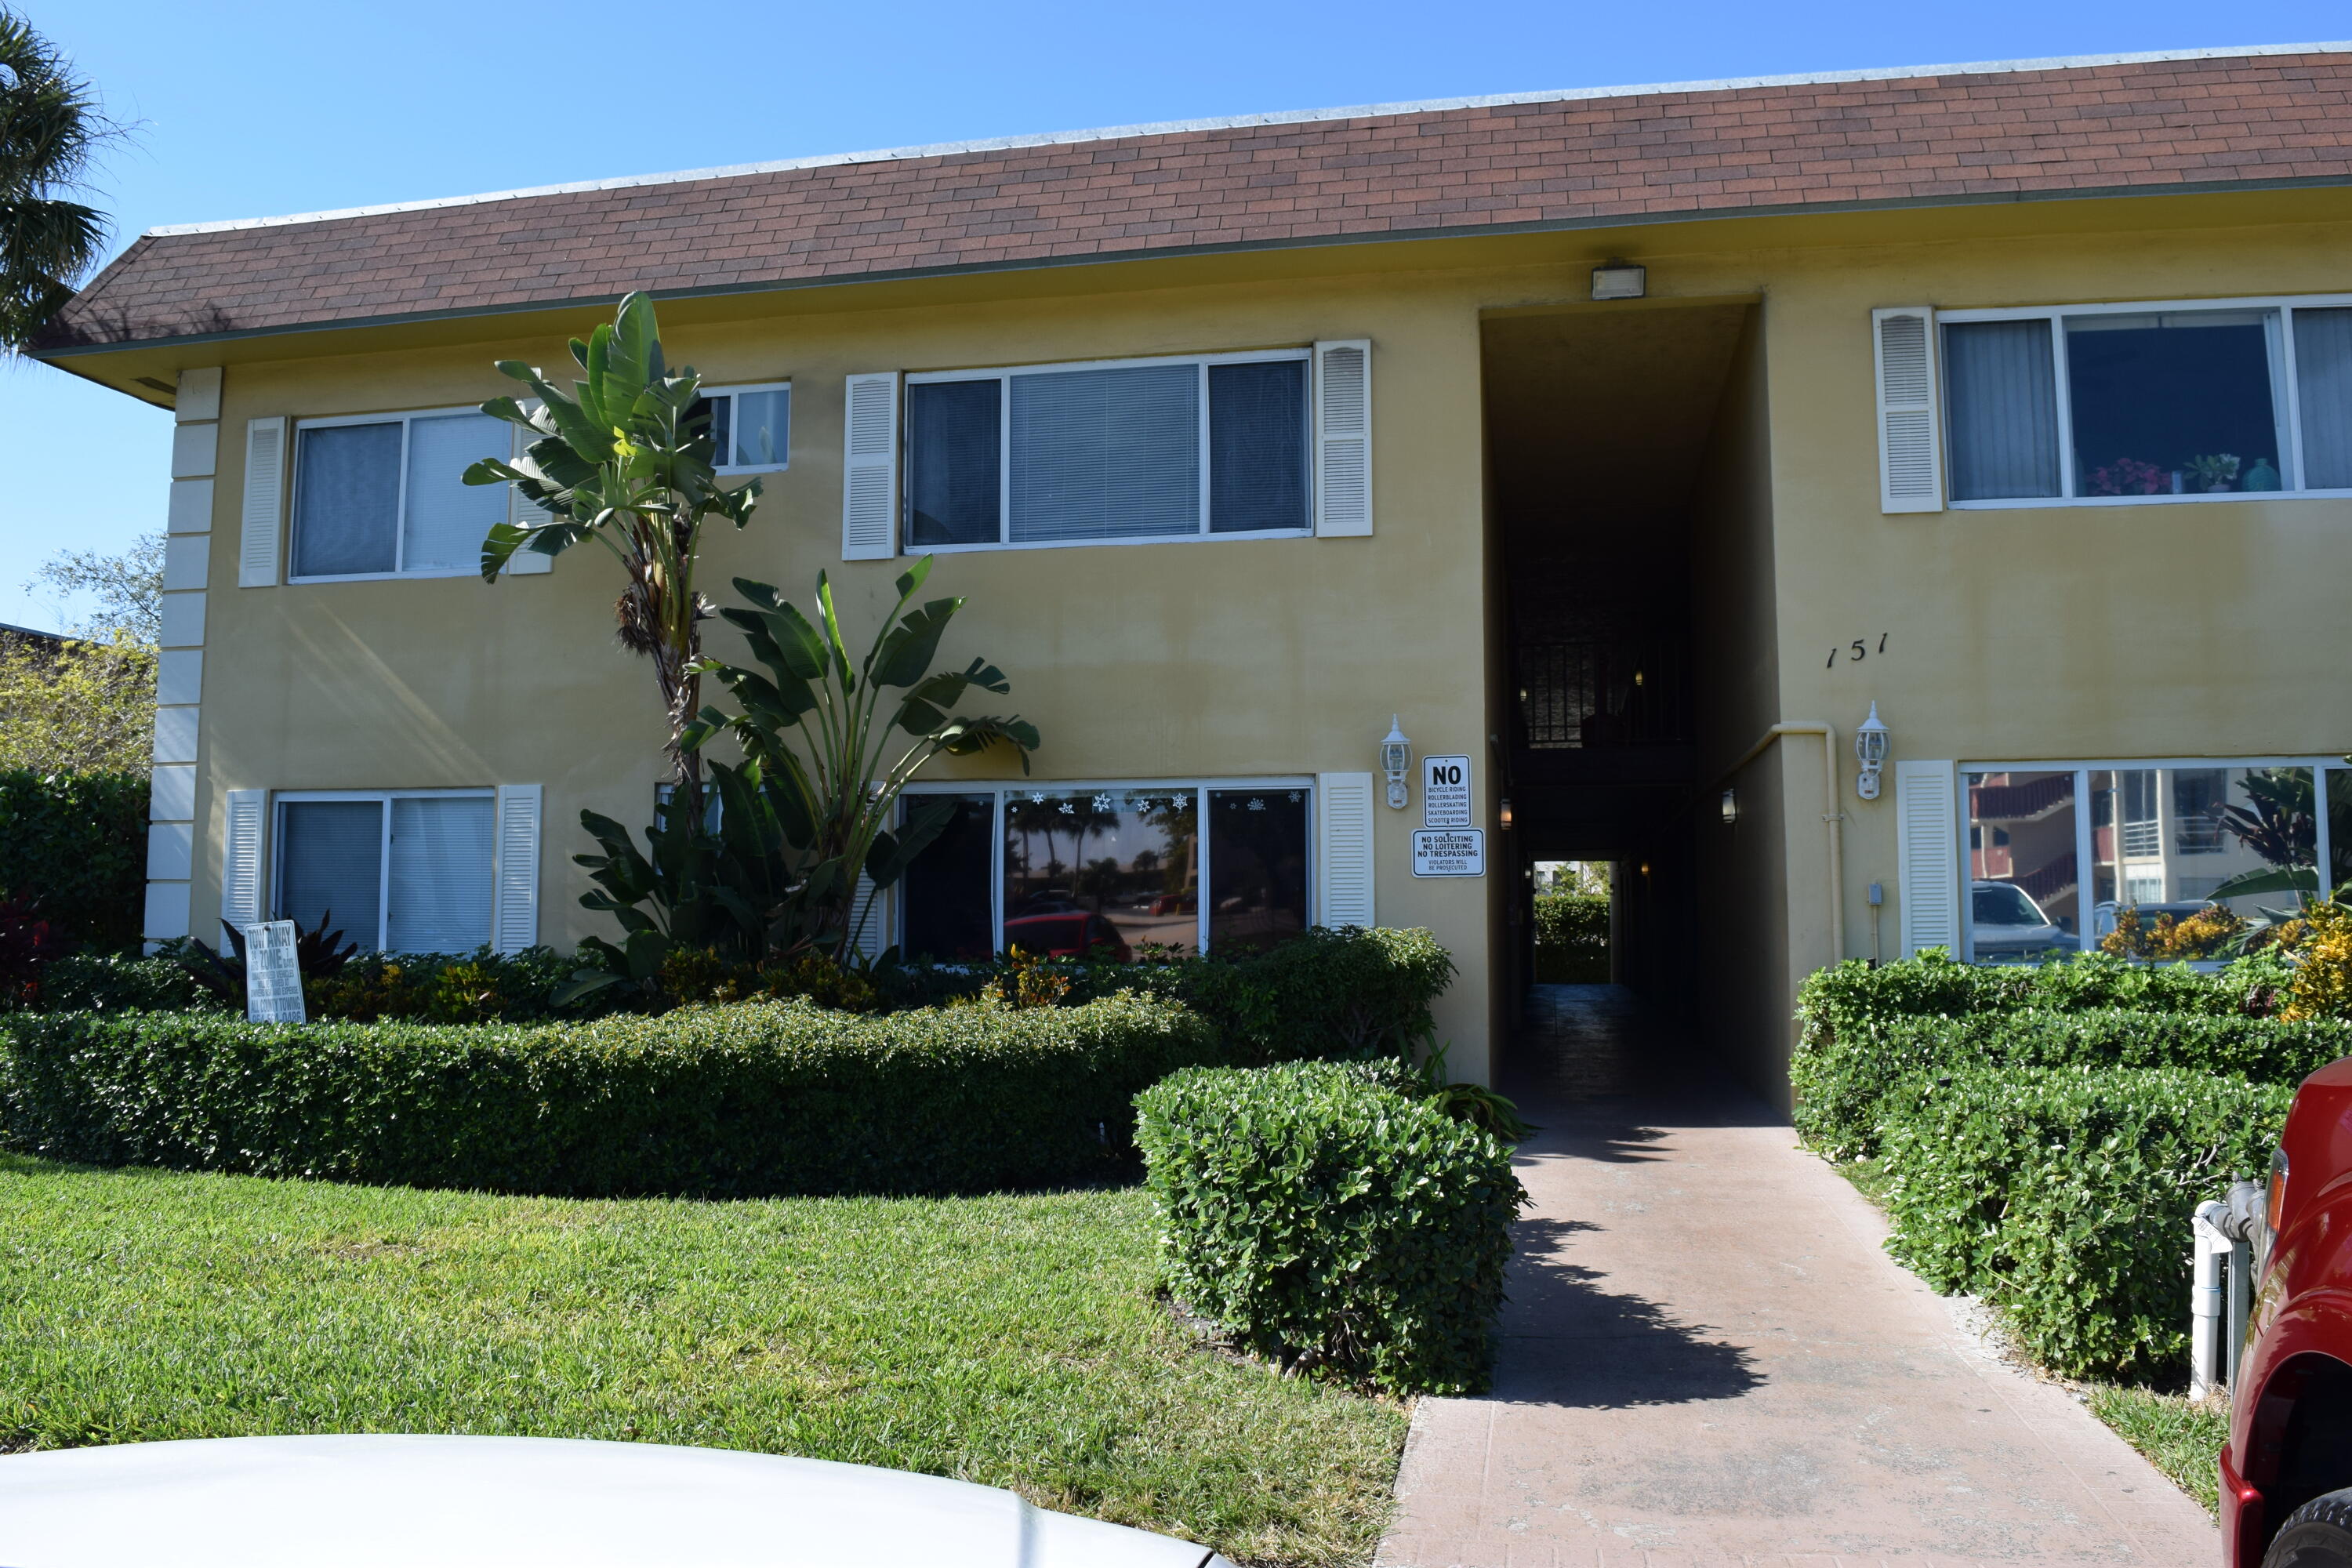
2215,470
2129,476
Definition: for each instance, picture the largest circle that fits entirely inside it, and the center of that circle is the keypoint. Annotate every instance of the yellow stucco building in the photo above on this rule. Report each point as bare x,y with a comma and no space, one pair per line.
1627,448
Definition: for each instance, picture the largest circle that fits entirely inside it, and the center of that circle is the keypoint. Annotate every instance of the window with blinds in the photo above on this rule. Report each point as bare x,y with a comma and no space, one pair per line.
2110,405
1130,450
383,496
394,871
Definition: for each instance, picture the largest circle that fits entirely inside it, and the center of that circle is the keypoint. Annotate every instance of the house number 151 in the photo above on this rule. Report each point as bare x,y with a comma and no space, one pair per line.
1856,651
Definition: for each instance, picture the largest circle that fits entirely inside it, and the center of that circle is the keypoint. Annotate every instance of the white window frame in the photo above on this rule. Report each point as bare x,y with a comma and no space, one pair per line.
715,393
2284,391
2085,941
400,503
1003,377
280,799
999,789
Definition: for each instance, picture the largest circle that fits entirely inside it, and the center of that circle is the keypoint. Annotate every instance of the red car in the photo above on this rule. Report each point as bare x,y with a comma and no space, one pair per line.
1068,933
2286,1471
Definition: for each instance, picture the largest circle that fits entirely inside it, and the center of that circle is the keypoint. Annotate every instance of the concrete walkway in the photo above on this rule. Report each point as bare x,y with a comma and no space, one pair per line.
1707,1359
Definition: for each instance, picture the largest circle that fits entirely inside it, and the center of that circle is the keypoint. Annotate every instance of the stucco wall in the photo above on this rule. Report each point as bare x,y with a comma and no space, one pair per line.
1169,660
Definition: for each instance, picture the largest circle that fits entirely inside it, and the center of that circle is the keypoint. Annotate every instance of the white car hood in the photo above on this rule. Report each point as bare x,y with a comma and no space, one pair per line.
524,1502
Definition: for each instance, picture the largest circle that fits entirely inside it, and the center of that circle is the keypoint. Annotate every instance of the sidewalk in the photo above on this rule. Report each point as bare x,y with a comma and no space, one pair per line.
1707,1359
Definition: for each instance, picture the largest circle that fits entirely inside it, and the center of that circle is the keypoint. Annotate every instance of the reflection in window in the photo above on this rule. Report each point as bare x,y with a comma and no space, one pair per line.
2173,403
949,915
1257,861
2024,892
1103,869
2184,856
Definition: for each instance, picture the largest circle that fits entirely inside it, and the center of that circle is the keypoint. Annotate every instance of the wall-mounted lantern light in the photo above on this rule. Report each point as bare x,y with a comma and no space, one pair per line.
1620,280
1730,807
1870,751
1503,815
1396,760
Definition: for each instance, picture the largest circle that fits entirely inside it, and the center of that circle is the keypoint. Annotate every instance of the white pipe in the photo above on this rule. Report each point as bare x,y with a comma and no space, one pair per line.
2208,1291
1830,814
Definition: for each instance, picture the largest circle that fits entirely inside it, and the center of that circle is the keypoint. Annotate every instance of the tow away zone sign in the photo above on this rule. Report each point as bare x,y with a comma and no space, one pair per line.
1455,852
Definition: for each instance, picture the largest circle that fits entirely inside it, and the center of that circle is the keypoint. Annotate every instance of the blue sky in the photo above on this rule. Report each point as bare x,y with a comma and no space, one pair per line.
247,109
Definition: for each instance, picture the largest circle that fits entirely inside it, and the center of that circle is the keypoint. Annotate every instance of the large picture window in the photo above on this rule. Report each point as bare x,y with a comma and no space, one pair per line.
1097,452
394,871
383,496
2164,860
2131,403
1115,871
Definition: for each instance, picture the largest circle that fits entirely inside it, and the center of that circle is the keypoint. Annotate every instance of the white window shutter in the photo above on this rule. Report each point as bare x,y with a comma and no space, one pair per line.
1928,856
514,918
1343,850
1343,438
241,900
870,940
1910,430
264,503
869,468
522,513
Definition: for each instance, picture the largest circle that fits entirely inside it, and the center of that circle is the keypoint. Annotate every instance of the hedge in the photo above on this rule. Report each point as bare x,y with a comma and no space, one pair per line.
1571,939
76,844
1850,1000
2063,1196
1327,1221
752,1097
1842,1085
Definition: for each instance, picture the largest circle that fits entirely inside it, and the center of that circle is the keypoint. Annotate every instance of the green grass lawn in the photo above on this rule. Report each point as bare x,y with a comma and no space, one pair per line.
1011,1340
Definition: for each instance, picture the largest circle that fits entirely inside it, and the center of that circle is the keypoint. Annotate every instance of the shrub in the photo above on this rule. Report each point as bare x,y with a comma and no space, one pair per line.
1328,1221
1848,1000
1842,1084
2062,1195
111,982
1571,939
755,1098
77,845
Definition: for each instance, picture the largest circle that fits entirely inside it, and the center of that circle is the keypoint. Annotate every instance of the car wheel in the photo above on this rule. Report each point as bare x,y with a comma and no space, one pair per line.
2316,1535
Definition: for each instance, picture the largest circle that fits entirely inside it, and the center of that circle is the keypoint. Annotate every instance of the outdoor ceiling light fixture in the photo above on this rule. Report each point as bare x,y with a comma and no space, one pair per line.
1620,280
1870,751
1730,807
1396,758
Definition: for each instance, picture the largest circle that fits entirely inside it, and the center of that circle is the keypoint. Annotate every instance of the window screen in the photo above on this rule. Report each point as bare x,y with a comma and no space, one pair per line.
954,462
347,500
951,916
1257,446
2004,410
330,865
1257,867
1106,453
446,519
440,874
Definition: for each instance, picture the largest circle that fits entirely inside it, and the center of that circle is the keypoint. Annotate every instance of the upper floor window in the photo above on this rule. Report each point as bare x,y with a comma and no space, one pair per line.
2121,402
751,427
383,495
1129,449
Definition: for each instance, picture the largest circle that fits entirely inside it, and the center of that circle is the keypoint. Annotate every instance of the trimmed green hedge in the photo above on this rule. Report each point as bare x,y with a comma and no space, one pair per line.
1848,1000
1328,1221
753,1098
111,982
1842,1085
2063,1196
1571,939
77,844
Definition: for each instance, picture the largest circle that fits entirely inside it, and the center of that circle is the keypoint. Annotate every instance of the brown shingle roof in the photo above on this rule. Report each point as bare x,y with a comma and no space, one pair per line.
2139,124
